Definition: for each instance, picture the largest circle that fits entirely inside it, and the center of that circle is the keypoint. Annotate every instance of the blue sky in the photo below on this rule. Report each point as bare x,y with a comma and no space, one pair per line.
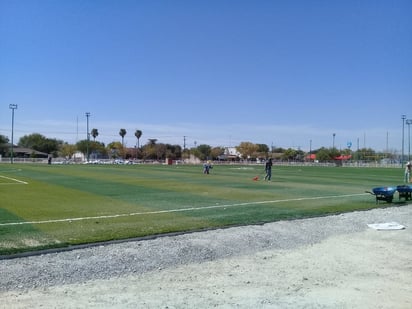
281,73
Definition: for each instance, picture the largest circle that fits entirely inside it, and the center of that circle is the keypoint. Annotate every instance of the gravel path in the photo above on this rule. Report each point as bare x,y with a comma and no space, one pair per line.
324,262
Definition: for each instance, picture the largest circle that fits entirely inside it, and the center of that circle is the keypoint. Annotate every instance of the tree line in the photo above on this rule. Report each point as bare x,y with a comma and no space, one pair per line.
153,150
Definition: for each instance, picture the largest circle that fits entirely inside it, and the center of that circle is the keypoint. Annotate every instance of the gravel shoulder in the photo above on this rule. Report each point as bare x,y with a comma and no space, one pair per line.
328,262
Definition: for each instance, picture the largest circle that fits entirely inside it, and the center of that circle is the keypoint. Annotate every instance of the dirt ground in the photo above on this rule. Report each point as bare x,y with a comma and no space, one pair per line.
366,269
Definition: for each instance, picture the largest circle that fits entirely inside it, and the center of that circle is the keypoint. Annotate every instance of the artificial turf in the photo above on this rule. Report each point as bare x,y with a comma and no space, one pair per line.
46,206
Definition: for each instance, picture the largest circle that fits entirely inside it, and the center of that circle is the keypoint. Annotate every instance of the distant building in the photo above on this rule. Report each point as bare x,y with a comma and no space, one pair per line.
231,154
20,152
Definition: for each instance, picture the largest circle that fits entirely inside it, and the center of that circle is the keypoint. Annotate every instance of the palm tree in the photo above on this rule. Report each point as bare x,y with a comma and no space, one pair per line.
122,133
152,141
138,135
94,133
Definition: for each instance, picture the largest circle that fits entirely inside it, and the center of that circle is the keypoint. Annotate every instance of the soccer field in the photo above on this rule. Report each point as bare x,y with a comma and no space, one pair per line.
48,206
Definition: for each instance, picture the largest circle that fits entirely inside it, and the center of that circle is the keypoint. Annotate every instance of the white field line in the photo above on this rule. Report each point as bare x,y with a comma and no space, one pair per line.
181,209
12,179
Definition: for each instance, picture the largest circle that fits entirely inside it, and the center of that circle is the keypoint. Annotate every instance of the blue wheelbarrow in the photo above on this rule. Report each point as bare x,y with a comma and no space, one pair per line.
405,191
383,194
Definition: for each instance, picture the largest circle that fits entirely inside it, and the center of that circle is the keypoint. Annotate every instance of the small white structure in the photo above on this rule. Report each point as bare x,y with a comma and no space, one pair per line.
232,151
78,156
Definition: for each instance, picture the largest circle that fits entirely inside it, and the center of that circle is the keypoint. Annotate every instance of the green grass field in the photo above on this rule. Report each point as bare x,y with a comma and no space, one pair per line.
49,206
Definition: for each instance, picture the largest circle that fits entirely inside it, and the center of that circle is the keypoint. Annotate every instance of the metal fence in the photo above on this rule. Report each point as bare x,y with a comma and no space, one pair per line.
6,160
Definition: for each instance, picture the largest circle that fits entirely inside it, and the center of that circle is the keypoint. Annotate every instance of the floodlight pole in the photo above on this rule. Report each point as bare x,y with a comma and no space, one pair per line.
403,138
409,122
310,150
88,135
12,107
333,145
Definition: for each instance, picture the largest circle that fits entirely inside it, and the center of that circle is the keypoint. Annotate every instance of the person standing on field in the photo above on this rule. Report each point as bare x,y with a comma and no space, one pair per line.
207,166
408,172
268,169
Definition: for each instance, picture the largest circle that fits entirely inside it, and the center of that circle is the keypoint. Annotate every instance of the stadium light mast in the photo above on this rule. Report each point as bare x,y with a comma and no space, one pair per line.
310,150
333,145
12,107
88,135
409,122
403,138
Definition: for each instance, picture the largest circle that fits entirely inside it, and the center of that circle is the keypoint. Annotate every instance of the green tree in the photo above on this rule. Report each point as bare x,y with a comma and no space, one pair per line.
173,151
326,154
31,141
122,133
247,149
82,146
152,141
138,135
94,133
40,143
322,154
366,154
334,152
68,150
3,139
149,150
262,150
203,152
216,152
3,144
289,154
161,151
115,150
98,149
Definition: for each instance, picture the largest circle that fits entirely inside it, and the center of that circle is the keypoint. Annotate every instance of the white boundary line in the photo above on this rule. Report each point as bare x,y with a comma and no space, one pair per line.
13,179
180,210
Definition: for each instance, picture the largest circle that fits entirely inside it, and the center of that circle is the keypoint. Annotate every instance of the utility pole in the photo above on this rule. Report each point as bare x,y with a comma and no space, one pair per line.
310,150
12,107
88,136
403,138
409,122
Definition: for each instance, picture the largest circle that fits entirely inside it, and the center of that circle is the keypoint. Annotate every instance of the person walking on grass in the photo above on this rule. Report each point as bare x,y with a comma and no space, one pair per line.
268,169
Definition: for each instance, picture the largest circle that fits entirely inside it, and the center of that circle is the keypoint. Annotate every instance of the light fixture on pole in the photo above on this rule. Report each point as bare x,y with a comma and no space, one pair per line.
409,122
403,138
12,107
333,146
88,135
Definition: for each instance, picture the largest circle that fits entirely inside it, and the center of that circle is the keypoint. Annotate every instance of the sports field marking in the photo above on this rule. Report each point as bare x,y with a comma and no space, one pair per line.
14,181
181,209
